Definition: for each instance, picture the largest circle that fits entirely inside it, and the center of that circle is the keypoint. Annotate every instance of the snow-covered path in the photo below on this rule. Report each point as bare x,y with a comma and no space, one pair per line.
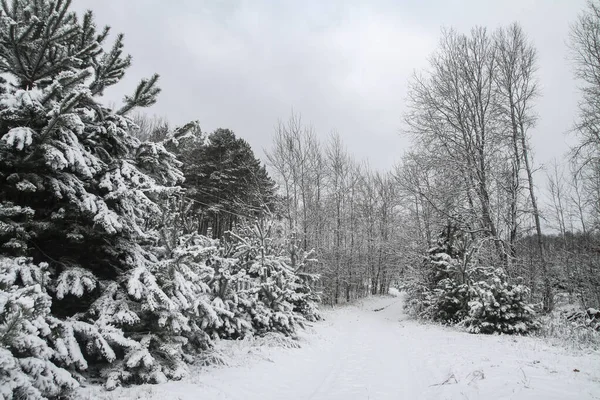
359,353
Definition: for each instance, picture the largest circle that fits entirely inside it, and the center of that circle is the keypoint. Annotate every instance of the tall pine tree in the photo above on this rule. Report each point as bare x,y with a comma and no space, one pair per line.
227,181
75,190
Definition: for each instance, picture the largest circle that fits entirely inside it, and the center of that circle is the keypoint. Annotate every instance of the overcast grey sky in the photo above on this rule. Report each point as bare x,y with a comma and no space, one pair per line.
343,65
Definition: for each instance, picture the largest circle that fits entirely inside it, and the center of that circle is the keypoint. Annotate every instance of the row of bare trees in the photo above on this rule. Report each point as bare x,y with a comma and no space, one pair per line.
340,208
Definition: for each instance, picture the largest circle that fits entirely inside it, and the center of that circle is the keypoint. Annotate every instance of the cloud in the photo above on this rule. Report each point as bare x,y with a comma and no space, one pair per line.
343,65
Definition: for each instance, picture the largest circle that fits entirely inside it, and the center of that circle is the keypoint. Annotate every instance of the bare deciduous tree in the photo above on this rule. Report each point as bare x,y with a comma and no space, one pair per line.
517,89
453,114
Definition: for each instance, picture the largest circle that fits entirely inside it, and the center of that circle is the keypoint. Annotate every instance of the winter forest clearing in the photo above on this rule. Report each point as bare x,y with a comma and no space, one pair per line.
359,353
142,259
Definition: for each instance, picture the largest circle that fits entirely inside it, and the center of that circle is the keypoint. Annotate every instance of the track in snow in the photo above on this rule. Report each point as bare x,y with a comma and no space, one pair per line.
360,353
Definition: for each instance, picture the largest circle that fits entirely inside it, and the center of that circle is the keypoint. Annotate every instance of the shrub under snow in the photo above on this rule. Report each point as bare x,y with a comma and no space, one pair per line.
29,349
457,290
496,305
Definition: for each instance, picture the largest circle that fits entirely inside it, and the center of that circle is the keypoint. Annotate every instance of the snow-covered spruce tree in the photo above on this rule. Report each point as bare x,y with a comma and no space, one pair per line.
496,305
207,288
75,190
461,289
231,291
304,298
282,299
193,271
444,294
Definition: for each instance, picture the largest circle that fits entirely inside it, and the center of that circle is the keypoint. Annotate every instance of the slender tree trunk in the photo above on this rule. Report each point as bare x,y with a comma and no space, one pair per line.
548,298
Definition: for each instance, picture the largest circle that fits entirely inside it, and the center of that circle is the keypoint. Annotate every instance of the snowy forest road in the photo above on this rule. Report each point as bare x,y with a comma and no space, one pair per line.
360,353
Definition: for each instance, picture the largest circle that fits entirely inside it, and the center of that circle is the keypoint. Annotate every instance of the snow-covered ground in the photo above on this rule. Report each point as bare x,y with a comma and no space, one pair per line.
359,353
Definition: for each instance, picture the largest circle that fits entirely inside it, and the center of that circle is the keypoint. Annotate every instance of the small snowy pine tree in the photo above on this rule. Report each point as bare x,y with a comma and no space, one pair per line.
444,295
281,295
28,347
497,306
460,290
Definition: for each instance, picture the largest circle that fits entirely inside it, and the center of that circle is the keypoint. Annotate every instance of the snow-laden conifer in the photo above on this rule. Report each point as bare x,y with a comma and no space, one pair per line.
76,192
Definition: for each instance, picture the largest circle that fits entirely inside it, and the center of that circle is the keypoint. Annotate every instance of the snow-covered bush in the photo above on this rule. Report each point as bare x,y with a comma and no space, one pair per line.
208,288
447,303
281,295
589,318
272,309
457,289
441,293
231,297
497,306
29,351
304,299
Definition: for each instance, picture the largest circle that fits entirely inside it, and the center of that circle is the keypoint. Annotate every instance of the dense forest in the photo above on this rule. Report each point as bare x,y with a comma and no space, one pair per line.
128,246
